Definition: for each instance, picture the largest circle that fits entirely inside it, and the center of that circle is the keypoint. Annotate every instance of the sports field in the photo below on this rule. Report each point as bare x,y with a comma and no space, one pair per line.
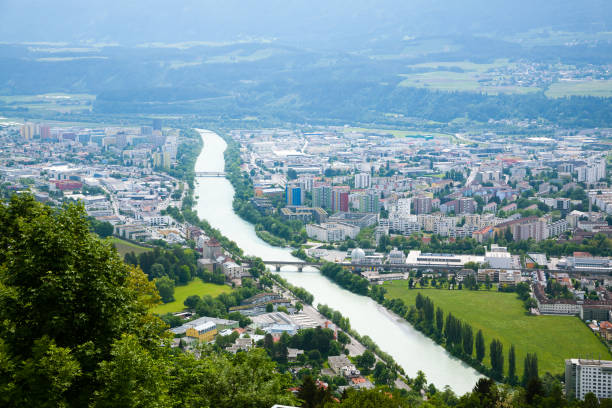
195,287
502,316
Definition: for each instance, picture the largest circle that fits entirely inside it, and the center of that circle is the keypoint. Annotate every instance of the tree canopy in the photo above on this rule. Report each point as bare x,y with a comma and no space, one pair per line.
76,328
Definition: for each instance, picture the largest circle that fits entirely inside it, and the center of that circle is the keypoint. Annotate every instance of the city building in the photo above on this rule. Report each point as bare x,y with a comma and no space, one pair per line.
321,196
294,194
359,219
416,258
557,228
498,257
524,228
422,205
584,261
585,376
27,131
362,180
203,332
369,202
340,199
332,231
396,256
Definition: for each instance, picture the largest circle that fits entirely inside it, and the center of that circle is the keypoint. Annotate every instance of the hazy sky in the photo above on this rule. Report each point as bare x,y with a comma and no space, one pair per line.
306,23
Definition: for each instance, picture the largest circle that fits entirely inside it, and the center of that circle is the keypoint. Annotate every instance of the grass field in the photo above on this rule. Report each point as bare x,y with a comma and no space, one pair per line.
59,102
502,316
195,287
123,247
561,89
443,79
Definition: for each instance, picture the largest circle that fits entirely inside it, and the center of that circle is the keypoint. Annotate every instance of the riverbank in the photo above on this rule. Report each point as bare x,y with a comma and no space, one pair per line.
529,334
358,343
409,348
272,229
420,318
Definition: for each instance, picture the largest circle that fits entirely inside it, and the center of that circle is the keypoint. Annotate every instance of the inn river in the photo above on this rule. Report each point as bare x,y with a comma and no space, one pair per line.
409,348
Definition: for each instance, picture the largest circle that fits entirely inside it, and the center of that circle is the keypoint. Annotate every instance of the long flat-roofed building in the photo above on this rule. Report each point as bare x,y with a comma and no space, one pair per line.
417,258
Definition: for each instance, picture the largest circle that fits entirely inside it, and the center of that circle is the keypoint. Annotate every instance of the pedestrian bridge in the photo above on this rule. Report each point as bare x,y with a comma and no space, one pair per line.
210,174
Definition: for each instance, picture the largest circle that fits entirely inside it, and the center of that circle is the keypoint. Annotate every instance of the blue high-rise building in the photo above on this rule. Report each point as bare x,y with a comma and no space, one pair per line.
294,194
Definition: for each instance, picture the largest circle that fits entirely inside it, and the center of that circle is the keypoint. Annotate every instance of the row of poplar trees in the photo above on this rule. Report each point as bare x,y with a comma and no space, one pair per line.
460,340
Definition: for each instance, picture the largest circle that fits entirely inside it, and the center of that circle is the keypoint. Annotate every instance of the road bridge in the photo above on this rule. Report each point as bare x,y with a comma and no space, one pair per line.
592,274
210,174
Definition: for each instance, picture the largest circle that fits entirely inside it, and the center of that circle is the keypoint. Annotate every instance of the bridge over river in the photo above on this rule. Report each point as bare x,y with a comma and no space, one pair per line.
595,274
210,174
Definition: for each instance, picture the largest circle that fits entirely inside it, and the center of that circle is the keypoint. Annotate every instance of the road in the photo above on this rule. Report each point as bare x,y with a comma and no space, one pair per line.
354,347
472,176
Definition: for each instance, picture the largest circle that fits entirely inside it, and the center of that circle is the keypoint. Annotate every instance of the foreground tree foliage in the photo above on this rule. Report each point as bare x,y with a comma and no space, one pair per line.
75,328
75,331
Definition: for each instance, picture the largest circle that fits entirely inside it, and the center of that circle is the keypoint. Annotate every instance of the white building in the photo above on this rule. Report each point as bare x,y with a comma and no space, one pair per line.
154,219
362,180
332,231
401,208
416,258
588,263
396,256
593,171
232,270
584,376
557,228
498,257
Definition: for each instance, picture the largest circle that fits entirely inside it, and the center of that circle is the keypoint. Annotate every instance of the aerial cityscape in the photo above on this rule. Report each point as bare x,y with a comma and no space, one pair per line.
258,215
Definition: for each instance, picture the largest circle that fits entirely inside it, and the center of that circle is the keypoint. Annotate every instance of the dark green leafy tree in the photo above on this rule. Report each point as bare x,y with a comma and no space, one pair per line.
484,395
375,398
419,381
65,298
165,287
227,381
480,346
439,319
534,390
311,394
383,375
419,301
496,351
530,368
512,365
133,378
102,228
467,337
366,361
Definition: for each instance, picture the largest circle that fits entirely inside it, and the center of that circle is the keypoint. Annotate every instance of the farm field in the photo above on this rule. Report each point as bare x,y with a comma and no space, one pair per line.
464,77
123,247
602,88
195,287
502,316
59,102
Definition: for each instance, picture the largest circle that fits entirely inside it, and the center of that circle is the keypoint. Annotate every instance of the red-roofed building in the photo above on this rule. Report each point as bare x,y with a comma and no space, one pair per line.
67,185
483,234
605,330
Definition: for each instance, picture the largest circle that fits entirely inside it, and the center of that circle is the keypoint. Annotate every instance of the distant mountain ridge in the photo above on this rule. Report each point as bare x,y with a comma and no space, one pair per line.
319,24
